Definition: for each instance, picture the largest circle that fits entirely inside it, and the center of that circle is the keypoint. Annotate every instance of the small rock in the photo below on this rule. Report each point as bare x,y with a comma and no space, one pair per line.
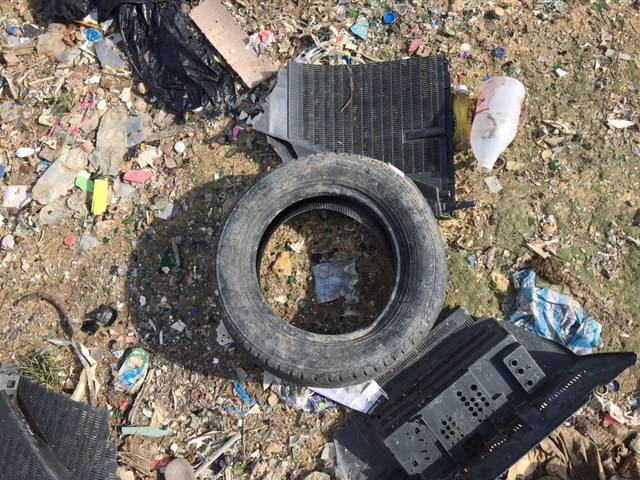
87,242
179,469
493,184
8,242
273,399
282,299
634,445
180,147
636,219
561,73
317,476
24,152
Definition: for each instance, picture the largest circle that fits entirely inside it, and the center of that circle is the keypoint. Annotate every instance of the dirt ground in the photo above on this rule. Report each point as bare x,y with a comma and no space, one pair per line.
571,191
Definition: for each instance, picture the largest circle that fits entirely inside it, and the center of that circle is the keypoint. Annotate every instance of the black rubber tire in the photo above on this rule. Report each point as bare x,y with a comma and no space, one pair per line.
365,186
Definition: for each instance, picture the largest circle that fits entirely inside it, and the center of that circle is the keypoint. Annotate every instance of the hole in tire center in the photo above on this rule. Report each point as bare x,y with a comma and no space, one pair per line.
287,280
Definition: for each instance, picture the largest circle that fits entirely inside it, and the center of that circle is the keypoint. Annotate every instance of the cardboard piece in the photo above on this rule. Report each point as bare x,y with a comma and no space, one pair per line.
226,36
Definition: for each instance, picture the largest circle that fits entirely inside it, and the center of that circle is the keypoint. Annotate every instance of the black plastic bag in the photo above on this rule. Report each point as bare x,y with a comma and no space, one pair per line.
174,58
166,49
67,10
71,10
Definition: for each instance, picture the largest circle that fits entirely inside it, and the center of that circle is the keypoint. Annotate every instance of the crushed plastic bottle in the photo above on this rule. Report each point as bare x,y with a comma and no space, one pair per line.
496,122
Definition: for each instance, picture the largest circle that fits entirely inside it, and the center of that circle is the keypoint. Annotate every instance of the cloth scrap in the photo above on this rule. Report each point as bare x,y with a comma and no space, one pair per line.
553,315
566,454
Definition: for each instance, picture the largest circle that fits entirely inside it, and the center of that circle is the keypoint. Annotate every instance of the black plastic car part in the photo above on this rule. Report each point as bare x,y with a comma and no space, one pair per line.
398,112
483,394
50,437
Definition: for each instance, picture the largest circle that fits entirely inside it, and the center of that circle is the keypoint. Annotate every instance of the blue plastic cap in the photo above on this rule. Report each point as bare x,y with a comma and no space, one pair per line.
389,18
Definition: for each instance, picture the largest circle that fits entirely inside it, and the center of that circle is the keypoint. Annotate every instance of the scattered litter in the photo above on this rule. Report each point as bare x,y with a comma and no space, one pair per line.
15,196
179,147
361,28
8,242
335,280
111,142
24,152
108,55
416,43
357,397
493,184
138,129
104,315
133,371
565,451
242,393
93,35
297,247
619,415
561,73
152,432
100,196
204,466
60,176
553,315
69,240
302,398
500,53
166,212
178,326
619,123
83,181
223,337
148,157
389,18
88,242
55,212
138,176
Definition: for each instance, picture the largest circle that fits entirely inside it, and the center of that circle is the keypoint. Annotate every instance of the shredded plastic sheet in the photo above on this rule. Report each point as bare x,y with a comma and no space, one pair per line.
553,315
335,280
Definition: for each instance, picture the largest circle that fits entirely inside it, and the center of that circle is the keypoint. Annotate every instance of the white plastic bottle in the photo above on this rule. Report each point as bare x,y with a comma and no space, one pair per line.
496,122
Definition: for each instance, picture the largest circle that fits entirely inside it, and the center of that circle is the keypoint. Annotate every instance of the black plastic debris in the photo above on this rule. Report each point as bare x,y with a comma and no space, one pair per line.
482,395
166,49
104,315
398,112
50,437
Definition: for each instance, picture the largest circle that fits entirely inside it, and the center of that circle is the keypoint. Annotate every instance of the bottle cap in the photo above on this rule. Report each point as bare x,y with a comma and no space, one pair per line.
461,89
389,18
